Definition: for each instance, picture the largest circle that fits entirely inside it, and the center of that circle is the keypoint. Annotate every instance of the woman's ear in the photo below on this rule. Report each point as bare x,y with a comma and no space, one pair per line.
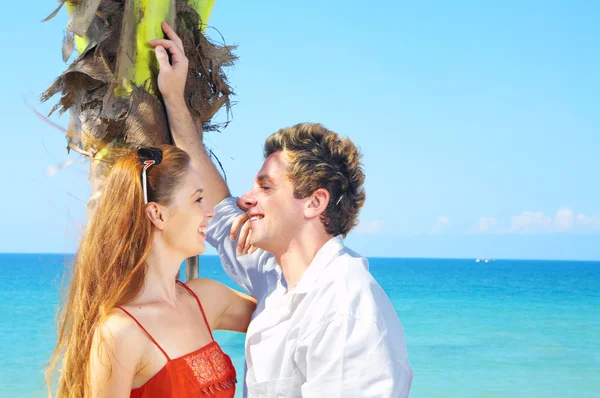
156,213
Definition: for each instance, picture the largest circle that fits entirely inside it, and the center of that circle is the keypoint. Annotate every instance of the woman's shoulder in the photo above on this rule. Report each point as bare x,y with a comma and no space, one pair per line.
116,350
212,295
207,290
120,332
202,286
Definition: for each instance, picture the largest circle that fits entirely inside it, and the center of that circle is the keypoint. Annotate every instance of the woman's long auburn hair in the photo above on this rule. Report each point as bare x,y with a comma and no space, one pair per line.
110,264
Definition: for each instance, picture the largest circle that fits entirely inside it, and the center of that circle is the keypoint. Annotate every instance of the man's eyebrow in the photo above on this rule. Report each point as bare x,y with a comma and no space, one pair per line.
263,177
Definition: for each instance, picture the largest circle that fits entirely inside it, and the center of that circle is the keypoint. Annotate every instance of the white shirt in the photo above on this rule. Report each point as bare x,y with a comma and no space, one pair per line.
336,334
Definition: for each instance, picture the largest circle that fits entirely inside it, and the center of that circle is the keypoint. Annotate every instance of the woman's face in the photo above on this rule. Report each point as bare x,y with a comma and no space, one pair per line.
187,217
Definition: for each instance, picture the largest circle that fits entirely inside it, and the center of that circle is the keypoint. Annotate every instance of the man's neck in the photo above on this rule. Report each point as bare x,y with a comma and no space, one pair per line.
297,256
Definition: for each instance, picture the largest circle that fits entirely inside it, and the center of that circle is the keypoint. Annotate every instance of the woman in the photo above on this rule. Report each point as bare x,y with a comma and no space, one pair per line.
128,327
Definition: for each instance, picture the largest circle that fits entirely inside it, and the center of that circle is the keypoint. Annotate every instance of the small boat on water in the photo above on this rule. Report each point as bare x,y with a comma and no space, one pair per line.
485,260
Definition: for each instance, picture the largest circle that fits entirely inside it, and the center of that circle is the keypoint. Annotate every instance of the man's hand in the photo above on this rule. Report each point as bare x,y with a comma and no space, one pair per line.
171,76
244,246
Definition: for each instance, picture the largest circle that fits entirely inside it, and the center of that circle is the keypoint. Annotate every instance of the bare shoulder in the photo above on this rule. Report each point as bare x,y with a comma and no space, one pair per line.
115,355
225,308
122,336
211,294
204,287
119,325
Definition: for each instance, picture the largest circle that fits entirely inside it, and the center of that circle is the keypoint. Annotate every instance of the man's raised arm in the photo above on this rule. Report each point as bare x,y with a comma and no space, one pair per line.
247,271
171,82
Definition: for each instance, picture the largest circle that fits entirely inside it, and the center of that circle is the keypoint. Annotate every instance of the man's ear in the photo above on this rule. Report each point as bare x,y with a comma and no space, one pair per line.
316,203
156,214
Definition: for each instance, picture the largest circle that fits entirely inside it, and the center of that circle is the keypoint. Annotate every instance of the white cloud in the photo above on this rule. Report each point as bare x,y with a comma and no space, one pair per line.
588,222
485,224
537,222
52,170
531,222
439,226
371,227
564,219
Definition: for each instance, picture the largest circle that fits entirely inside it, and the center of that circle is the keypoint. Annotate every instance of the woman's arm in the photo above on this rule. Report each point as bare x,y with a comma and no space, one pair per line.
114,357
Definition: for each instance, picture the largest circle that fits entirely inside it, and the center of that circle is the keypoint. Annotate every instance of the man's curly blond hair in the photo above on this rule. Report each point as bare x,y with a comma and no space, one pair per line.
320,158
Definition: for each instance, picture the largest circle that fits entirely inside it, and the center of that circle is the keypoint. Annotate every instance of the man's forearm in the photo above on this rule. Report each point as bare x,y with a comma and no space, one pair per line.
187,137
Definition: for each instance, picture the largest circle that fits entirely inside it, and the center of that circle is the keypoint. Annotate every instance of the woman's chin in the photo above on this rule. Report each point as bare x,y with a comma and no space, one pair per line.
199,249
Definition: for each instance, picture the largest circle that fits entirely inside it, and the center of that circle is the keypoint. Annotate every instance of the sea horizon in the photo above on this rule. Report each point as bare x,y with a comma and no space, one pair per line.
374,257
519,328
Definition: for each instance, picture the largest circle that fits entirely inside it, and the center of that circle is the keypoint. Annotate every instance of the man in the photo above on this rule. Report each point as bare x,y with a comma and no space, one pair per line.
323,326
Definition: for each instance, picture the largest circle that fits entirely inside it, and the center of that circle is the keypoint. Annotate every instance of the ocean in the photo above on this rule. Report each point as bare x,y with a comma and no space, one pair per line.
507,328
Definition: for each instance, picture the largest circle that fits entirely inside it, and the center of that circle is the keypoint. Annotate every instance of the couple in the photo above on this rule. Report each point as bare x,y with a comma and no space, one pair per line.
317,323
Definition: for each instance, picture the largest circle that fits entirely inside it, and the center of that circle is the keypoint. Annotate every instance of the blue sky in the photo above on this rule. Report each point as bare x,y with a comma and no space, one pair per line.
478,121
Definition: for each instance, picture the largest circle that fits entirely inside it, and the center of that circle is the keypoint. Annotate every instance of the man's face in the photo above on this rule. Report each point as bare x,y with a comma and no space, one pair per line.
275,214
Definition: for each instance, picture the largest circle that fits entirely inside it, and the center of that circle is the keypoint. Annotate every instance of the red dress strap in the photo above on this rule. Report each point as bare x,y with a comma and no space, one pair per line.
145,331
199,305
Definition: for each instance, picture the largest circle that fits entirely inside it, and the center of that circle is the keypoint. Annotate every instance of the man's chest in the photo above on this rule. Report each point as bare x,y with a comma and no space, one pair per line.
274,364
273,337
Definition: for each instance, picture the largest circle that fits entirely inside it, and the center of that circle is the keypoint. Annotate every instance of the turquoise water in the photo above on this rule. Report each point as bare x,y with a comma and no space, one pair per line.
503,329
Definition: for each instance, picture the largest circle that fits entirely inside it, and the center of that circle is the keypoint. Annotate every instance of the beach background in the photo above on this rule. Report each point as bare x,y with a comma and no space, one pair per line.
480,130
504,329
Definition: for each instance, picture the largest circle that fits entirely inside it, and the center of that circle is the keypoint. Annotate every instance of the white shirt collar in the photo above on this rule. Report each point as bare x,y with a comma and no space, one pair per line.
322,259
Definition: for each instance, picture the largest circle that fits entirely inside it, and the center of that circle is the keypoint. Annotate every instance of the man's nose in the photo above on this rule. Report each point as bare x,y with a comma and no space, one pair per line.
247,201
